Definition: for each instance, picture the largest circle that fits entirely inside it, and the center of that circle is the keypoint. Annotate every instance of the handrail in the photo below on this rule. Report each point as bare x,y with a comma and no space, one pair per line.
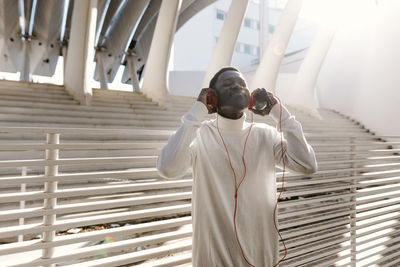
53,130
351,187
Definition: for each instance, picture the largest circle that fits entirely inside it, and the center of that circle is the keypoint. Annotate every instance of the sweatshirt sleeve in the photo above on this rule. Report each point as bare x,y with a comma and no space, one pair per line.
175,157
299,156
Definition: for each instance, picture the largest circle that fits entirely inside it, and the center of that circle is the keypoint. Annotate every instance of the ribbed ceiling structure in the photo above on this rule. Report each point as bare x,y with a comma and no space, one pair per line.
34,33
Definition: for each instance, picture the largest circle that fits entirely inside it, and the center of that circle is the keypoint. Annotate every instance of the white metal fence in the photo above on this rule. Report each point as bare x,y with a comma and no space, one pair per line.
110,211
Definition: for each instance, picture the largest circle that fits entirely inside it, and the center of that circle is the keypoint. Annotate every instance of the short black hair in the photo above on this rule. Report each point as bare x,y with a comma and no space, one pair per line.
216,75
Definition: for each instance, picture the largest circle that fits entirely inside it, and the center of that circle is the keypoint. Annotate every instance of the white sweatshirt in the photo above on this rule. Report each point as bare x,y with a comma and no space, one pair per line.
197,144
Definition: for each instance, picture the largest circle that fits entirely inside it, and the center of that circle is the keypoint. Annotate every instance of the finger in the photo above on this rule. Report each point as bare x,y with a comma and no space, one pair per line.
211,91
205,90
258,112
211,109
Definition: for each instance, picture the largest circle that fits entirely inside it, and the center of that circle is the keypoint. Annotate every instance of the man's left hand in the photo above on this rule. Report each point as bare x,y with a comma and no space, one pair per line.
266,111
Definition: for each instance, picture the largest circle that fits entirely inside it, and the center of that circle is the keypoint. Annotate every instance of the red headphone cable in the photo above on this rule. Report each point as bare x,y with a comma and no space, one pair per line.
283,182
237,186
244,175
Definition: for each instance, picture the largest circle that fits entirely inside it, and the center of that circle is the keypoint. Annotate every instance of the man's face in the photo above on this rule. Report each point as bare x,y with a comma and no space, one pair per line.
233,95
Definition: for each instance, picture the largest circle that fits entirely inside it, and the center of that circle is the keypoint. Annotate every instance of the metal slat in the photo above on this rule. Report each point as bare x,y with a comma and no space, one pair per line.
314,237
326,216
328,180
124,174
84,131
384,243
101,190
316,227
76,161
315,246
396,248
82,146
95,236
97,205
169,262
314,256
133,257
394,262
373,231
110,247
94,220
322,208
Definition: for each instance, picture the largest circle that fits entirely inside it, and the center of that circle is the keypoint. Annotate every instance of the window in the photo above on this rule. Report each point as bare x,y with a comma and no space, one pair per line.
279,4
271,28
247,23
247,49
220,14
239,48
251,23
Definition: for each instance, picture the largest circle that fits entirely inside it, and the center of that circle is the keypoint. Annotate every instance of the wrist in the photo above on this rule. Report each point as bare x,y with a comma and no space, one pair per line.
199,110
275,113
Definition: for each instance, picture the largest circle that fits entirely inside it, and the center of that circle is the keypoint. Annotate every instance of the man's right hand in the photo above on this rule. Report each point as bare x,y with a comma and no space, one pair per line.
203,99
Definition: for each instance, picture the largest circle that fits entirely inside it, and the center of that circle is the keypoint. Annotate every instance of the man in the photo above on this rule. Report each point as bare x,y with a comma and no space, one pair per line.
233,198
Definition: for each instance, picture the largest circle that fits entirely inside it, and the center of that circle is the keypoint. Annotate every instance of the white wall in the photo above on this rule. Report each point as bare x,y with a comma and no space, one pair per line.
361,73
194,43
185,83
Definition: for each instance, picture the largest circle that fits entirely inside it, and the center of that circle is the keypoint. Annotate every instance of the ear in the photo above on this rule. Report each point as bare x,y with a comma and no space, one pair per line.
212,99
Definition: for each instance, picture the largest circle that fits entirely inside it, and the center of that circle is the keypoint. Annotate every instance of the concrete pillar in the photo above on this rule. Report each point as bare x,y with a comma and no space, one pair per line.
302,94
155,79
268,69
225,47
132,72
100,71
25,64
64,53
79,67
264,26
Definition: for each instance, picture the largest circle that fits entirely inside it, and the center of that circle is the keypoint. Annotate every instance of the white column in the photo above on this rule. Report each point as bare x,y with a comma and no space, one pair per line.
100,71
155,79
25,64
264,26
302,94
79,63
64,52
225,47
268,69
132,72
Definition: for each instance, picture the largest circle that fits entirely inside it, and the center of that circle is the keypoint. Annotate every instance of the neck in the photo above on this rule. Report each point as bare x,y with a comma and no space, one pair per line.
230,115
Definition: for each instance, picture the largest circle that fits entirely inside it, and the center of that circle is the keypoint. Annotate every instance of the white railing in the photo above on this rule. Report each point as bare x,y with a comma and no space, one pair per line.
110,211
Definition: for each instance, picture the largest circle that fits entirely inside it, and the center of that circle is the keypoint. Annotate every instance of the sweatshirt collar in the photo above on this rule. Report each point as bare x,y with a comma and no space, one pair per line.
231,124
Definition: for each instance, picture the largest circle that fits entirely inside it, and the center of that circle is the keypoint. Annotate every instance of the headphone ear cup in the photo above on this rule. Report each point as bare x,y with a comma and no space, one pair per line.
252,102
269,102
212,100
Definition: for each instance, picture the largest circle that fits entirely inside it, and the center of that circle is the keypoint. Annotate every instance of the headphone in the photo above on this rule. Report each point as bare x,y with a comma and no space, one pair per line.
253,103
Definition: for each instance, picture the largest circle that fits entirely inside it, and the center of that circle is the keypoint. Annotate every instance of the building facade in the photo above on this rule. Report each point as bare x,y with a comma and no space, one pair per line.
195,42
